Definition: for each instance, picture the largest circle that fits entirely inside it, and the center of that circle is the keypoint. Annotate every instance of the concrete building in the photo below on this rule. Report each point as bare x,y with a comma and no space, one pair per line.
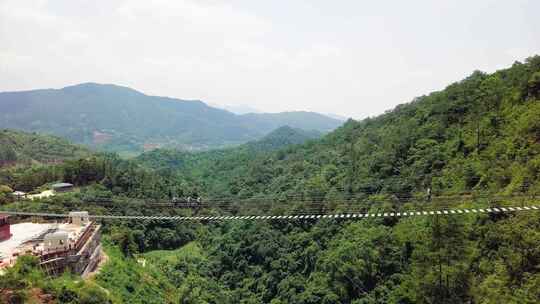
79,218
56,241
74,245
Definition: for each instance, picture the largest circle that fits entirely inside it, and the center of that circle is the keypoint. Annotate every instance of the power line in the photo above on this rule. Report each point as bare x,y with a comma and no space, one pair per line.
223,203
410,213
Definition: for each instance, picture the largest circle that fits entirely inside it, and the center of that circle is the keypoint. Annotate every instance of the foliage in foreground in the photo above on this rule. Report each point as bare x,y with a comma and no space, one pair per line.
26,282
461,259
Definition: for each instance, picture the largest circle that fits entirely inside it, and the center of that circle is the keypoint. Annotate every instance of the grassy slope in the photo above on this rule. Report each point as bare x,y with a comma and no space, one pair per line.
166,276
130,282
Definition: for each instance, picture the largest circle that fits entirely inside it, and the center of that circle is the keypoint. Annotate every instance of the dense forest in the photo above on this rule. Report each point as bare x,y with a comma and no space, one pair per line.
479,134
478,137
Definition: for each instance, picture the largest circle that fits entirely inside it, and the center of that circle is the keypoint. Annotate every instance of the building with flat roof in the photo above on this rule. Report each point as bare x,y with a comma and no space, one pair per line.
74,244
62,187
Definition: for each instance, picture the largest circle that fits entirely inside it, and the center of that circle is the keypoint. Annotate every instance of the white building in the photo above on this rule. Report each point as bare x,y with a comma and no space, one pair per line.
75,244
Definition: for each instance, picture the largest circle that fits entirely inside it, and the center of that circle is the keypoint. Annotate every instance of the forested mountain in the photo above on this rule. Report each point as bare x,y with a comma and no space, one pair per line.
476,140
17,147
120,118
481,133
283,137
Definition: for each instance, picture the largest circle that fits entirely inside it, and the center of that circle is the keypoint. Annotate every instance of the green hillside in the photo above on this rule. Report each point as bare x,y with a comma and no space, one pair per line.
17,147
283,137
122,119
479,134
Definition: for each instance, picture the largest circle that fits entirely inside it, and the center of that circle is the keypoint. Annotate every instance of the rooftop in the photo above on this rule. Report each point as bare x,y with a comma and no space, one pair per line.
62,185
21,232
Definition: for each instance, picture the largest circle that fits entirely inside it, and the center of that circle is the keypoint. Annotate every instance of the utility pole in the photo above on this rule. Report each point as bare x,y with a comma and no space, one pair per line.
352,169
478,135
437,234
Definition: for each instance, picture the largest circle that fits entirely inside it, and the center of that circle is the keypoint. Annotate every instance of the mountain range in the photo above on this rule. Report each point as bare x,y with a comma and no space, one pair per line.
245,109
119,118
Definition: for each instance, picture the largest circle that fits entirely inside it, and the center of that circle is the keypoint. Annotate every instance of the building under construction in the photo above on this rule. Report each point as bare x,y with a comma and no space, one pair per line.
74,244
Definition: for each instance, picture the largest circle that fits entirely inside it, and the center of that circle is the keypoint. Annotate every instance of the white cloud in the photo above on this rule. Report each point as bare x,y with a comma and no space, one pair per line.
354,58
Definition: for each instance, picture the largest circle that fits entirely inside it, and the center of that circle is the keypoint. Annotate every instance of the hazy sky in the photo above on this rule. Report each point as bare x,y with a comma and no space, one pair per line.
354,58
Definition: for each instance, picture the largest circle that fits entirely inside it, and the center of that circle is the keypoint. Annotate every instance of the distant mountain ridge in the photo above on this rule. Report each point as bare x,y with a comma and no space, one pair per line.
309,121
246,109
236,109
120,118
338,117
